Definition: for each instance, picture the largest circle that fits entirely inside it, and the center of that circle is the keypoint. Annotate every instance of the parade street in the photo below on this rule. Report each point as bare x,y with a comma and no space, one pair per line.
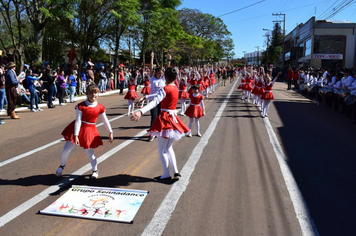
291,173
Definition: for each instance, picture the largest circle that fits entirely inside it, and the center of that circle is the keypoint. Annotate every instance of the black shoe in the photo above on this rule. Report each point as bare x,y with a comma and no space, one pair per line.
158,178
177,176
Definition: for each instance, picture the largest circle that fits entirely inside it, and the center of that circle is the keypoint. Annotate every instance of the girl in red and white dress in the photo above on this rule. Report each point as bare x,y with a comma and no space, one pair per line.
167,126
213,80
193,81
83,131
146,87
195,110
206,84
248,87
257,91
183,94
267,96
131,95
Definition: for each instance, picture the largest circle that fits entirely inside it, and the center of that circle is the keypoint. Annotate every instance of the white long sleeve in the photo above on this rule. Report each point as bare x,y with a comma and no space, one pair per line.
78,121
106,122
156,99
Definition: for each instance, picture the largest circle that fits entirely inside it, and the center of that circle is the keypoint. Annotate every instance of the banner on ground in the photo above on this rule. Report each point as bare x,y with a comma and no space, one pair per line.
110,204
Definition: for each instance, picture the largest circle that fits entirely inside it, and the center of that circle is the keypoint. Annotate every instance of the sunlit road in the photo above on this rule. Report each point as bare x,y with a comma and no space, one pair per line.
235,186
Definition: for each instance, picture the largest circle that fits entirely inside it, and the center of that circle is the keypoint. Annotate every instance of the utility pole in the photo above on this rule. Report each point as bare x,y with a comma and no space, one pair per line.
284,34
258,54
244,56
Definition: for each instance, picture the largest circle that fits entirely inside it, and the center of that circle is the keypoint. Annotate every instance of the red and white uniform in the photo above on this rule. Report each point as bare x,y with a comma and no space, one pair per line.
212,79
147,88
183,91
84,126
196,107
248,84
268,95
242,84
258,89
167,124
131,93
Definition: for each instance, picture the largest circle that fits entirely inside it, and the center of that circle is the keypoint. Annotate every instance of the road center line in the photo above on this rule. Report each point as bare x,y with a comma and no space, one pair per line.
300,206
165,210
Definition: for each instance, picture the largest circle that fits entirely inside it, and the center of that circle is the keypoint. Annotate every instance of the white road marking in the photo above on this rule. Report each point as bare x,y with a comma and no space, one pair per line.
165,210
300,206
26,154
45,193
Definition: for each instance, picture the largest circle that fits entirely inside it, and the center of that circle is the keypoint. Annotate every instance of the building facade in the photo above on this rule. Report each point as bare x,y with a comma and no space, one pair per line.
320,44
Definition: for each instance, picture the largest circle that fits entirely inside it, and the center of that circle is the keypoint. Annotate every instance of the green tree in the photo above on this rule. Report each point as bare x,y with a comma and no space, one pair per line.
12,13
41,12
125,18
275,48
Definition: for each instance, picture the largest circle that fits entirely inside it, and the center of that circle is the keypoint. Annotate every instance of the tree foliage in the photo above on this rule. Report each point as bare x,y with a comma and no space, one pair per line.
49,28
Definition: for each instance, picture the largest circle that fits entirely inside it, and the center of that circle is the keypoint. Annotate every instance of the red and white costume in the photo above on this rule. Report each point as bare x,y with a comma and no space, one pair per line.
196,106
84,125
131,93
167,124
147,88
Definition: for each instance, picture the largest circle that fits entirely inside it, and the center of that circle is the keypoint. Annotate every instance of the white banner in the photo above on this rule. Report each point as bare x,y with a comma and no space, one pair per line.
110,204
328,56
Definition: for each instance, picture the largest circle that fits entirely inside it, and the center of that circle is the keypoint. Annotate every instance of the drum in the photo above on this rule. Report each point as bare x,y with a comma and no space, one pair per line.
350,100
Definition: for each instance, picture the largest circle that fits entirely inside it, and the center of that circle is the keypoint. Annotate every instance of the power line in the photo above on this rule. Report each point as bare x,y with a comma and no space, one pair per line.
242,8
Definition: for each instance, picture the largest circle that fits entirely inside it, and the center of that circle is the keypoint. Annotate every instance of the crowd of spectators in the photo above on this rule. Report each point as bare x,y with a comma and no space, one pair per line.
62,83
332,88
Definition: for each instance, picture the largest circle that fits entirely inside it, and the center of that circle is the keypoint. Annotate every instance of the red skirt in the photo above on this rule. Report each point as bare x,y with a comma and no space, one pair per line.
131,95
146,90
247,87
165,126
183,95
194,111
89,136
213,80
256,91
267,96
240,86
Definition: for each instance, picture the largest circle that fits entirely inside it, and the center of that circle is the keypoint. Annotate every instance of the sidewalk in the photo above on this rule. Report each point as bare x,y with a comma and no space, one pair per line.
77,98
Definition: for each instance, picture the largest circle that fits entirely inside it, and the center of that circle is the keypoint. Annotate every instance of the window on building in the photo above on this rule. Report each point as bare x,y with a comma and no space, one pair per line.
329,45
308,47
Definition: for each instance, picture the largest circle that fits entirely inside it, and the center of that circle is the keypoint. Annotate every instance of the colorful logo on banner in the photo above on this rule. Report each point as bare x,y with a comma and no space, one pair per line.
110,204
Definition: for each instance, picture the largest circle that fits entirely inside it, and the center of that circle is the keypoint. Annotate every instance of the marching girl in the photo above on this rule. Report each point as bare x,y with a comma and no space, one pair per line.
248,87
131,95
195,110
206,84
258,91
183,95
147,87
213,80
83,131
193,81
267,96
167,126
241,85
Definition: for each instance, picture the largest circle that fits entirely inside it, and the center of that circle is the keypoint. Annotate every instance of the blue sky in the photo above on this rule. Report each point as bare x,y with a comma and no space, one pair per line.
249,18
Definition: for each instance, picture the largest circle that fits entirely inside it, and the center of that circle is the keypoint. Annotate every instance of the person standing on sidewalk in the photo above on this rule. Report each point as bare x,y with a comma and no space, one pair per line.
11,84
290,75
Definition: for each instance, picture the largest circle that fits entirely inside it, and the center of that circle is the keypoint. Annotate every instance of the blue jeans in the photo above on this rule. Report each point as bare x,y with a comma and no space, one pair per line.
2,98
50,95
72,92
34,98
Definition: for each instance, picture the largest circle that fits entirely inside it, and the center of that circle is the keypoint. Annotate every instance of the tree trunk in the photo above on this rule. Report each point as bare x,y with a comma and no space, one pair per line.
38,40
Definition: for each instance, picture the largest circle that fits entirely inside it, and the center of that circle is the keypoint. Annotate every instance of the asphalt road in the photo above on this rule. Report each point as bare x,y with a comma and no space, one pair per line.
236,186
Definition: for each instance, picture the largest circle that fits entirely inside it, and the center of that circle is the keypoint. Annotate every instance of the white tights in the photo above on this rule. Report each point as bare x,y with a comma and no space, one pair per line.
68,147
197,124
131,106
166,154
265,107
183,105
